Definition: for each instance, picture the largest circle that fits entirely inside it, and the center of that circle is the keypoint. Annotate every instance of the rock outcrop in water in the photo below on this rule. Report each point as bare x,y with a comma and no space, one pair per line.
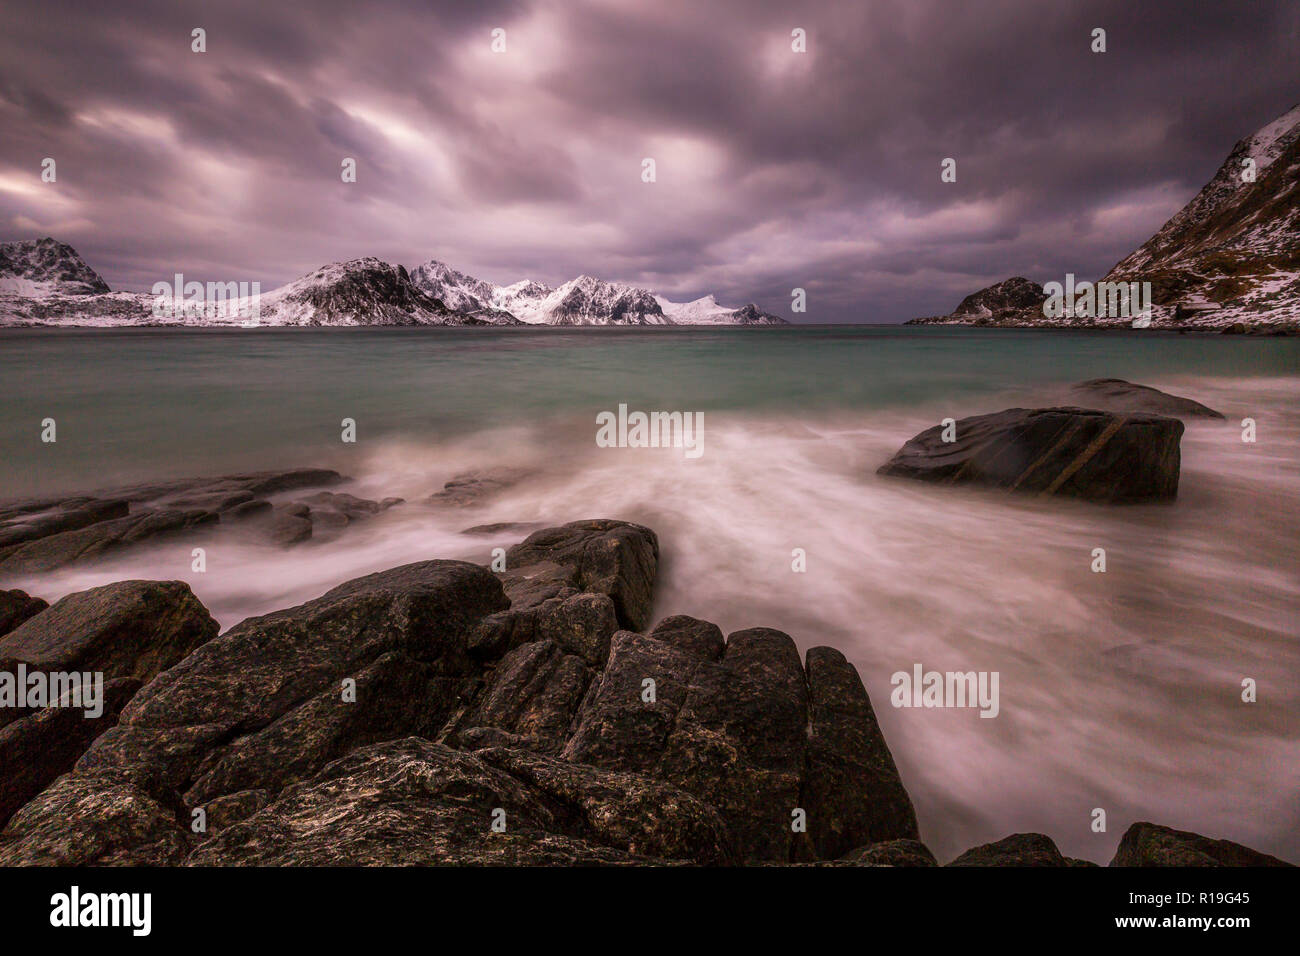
47,533
1079,452
438,713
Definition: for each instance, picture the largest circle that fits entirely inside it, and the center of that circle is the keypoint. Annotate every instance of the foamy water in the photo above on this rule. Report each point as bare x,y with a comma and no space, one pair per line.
1118,690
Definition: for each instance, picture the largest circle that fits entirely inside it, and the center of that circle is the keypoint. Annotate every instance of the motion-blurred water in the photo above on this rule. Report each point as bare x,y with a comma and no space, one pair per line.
1118,690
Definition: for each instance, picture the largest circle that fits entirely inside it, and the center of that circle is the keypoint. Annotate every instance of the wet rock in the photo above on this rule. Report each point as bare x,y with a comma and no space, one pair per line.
88,820
701,639
582,624
892,853
44,534
1117,395
851,786
409,802
1079,452
631,813
599,556
348,507
248,509
533,695
743,733
133,629
57,550
263,703
17,606
18,526
476,487
1147,844
289,525
1019,849
501,527
234,807
38,748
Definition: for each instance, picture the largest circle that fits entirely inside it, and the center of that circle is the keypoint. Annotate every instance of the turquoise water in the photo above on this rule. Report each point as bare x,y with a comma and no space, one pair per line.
132,403
1119,690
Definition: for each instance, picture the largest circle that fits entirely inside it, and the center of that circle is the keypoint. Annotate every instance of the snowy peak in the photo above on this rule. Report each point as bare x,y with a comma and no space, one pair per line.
455,289
45,282
706,311
584,300
1232,255
587,300
34,267
365,291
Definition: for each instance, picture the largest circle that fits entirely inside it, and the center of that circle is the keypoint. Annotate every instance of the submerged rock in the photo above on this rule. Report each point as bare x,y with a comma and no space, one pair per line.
45,534
1079,452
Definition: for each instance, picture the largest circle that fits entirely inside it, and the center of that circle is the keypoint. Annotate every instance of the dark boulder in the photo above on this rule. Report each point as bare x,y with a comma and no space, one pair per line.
412,802
532,695
580,623
1147,844
852,789
1080,452
38,748
911,853
17,606
751,734
1117,395
1019,849
600,556
131,629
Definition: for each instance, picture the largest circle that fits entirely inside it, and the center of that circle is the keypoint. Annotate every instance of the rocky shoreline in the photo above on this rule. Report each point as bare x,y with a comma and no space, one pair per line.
535,712
440,713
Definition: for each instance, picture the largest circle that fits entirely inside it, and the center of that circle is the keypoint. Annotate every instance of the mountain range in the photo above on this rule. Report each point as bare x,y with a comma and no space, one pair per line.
1229,260
45,282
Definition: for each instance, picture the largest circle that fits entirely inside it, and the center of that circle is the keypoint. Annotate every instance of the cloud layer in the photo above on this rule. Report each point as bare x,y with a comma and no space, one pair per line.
775,169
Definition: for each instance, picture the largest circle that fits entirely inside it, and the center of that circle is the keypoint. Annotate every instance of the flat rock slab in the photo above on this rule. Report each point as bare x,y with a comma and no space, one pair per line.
1079,452
38,535
1117,395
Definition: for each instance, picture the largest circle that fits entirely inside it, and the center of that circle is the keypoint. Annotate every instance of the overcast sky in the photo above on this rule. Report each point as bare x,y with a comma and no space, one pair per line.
775,169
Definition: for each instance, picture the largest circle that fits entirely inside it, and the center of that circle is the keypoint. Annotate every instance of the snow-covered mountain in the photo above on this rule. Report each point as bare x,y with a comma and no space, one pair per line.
585,300
55,287
1232,254
44,282
1228,260
359,292
36,267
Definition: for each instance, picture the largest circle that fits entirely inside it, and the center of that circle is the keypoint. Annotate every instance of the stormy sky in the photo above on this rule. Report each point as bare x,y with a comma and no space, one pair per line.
775,169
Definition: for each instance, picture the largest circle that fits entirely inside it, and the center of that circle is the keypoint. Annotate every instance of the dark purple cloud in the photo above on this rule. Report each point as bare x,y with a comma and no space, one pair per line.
775,169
